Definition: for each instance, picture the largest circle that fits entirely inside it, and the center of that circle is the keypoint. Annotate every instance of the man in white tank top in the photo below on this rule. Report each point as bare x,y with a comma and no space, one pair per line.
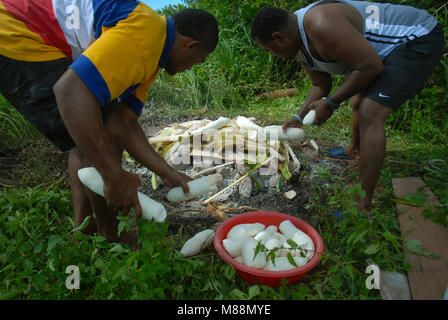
386,51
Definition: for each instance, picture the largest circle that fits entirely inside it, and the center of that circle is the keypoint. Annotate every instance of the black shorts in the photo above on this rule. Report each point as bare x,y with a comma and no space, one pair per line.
28,86
406,69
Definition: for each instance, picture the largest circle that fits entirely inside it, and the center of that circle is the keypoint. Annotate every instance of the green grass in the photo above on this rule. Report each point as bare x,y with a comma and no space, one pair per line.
36,227
15,130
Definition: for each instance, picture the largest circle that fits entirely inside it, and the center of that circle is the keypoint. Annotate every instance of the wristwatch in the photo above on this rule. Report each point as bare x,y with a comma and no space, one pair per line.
331,104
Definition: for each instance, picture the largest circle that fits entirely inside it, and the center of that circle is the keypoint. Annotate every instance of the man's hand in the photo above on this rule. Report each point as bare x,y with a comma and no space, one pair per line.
292,122
173,178
120,193
323,111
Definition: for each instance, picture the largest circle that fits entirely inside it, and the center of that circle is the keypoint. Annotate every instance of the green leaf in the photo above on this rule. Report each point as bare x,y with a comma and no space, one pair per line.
260,247
413,199
255,181
118,248
238,294
52,242
254,291
285,171
292,243
336,281
291,260
415,246
372,249
154,183
83,224
392,238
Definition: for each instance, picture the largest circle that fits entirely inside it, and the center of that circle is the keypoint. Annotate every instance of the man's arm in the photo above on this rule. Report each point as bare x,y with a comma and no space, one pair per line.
334,35
136,143
80,112
321,84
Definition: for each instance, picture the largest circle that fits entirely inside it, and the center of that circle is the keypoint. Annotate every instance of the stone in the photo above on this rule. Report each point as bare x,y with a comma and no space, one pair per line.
245,188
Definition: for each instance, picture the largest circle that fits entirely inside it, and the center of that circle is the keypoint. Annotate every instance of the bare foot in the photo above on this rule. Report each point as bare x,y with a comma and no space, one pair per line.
352,151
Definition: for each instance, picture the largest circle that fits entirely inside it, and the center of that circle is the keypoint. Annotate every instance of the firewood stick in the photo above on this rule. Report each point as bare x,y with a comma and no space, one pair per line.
210,169
233,184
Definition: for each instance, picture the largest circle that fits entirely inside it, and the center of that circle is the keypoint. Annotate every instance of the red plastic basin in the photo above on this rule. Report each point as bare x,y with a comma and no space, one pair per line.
269,278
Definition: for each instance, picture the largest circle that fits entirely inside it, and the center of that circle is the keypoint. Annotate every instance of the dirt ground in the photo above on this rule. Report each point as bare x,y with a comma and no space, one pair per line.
190,217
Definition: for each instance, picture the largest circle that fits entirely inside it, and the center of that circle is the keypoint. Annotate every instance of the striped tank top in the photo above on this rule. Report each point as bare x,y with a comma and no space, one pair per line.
386,26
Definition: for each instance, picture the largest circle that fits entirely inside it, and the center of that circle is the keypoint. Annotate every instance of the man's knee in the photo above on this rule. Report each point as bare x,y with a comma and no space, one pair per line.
355,101
371,113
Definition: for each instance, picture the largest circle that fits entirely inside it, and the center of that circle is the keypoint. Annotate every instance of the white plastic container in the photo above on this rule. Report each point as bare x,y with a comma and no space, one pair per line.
197,187
151,209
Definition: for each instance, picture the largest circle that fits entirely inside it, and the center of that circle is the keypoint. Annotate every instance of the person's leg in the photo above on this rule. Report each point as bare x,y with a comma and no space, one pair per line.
371,120
353,149
106,217
81,205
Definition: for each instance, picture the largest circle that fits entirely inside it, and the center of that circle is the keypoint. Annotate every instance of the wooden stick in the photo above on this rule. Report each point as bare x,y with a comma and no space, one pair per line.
210,169
233,184
295,160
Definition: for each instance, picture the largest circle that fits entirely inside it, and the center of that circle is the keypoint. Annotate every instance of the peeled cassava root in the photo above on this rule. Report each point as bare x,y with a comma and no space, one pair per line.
197,188
198,242
276,133
242,240
151,209
309,118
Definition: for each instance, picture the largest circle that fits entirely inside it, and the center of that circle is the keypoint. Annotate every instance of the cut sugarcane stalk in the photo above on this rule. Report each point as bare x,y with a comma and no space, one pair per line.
151,209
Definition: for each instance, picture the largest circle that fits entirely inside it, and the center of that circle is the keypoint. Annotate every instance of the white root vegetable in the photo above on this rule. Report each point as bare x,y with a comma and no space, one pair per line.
197,188
238,231
288,229
245,230
276,132
247,124
254,228
279,236
215,125
271,243
239,259
248,253
243,239
199,241
233,246
151,209
309,118
266,233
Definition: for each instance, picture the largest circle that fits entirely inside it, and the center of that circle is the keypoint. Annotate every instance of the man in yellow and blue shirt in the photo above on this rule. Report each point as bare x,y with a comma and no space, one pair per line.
80,71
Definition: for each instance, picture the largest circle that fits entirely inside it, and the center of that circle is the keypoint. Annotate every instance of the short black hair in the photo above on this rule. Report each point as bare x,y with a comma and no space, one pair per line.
199,25
267,21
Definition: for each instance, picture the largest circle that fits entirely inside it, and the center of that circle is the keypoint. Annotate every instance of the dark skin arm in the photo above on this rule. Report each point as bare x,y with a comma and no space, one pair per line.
336,34
139,148
80,112
321,86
